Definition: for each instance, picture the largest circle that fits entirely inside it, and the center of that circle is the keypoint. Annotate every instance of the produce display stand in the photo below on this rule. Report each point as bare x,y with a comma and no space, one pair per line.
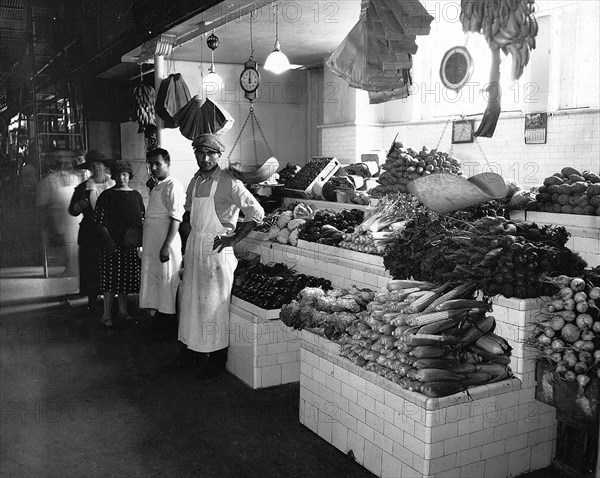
499,429
262,351
584,230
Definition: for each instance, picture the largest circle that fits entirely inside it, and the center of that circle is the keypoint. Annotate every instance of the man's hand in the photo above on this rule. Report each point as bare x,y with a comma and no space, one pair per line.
221,242
164,254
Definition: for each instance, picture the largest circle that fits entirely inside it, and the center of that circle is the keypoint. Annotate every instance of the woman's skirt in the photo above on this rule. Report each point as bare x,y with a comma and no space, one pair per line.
120,271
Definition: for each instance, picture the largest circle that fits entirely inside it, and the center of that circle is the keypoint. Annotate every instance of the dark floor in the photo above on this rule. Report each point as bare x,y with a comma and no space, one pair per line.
81,401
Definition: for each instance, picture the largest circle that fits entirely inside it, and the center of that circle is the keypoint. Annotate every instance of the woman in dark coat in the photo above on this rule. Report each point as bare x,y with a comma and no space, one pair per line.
83,202
119,210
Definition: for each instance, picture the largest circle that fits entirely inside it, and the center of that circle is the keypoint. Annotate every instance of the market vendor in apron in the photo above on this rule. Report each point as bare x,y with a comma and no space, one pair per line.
213,202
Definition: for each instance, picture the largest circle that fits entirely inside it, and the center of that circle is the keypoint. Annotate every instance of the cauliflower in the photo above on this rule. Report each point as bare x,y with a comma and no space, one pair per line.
294,237
295,224
284,218
283,236
302,211
273,232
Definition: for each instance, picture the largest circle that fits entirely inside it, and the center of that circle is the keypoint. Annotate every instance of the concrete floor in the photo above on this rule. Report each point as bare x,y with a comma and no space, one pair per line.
81,401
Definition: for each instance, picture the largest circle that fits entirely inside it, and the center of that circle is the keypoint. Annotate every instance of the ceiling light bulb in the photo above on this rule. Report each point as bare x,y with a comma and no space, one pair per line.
277,62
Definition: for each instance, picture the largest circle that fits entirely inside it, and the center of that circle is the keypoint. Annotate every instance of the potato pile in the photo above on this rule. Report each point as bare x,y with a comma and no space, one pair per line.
569,192
405,164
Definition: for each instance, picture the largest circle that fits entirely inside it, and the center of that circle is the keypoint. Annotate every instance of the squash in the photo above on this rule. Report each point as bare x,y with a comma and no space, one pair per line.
592,190
589,210
595,200
578,187
563,199
592,178
553,188
567,171
573,178
553,180
543,189
564,189
555,198
557,207
567,209
577,210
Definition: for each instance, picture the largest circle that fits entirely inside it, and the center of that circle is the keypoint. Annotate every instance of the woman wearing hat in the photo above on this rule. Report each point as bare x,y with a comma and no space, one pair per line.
83,202
119,210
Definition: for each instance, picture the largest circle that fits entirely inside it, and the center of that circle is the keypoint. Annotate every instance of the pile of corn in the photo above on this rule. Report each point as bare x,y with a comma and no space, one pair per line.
428,338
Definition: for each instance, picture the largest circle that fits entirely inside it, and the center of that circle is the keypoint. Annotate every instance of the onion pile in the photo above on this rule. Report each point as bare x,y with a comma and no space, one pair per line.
570,335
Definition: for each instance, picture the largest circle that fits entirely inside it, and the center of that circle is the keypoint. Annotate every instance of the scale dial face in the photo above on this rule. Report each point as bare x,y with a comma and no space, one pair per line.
249,79
456,68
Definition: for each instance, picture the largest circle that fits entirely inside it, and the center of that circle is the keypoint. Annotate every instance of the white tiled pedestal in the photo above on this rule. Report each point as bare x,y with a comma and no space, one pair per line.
263,352
497,430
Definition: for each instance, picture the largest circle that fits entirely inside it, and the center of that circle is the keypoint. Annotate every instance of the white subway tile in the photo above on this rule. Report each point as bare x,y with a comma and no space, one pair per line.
496,467
356,443
519,461
373,457
468,456
391,467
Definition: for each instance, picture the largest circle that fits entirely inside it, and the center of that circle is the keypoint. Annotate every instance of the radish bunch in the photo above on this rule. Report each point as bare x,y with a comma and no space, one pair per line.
570,335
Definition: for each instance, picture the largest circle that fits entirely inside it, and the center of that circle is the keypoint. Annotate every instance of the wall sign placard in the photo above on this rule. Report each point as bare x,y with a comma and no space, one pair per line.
462,131
536,126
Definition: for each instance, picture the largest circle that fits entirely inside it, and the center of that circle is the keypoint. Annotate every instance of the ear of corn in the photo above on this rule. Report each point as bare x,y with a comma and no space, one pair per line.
461,304
441,389
415,295
422,302
464,368
408,284
437,375
415,340
489,357
432,317
440,325
490,345
460,292
480,327
477,378
429,351
435,362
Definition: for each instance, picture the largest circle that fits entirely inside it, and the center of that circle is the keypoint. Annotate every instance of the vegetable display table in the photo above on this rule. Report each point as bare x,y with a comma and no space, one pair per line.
342,267
498,429
262,351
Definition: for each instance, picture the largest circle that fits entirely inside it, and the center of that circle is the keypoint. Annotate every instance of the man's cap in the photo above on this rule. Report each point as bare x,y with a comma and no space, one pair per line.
208,141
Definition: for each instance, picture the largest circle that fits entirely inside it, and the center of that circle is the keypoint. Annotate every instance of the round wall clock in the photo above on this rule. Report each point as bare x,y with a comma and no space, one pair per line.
250,79
456,68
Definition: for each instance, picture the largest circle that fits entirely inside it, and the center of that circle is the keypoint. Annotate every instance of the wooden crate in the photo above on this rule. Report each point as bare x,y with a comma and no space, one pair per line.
566,396
576,447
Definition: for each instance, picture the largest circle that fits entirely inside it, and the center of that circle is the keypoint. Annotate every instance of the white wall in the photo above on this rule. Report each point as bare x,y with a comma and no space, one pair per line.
281,110
561,78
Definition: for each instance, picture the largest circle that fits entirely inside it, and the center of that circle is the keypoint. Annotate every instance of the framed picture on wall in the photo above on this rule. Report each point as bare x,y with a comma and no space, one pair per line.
536,126
462,131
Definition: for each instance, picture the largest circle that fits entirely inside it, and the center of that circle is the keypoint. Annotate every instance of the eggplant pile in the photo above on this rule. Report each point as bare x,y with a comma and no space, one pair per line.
328,227
269,286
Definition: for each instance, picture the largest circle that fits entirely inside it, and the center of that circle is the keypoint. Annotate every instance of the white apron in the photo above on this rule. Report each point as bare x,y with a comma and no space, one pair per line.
207,281
159,280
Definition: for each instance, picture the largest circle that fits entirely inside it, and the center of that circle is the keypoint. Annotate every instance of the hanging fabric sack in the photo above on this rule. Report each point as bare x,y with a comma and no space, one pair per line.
200,116
173,94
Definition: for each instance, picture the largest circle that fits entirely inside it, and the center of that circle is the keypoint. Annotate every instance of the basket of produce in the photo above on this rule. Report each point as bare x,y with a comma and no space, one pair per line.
317,170
447,192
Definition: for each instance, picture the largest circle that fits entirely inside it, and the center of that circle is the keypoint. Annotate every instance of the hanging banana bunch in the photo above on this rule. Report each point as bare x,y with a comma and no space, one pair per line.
144,106
509,25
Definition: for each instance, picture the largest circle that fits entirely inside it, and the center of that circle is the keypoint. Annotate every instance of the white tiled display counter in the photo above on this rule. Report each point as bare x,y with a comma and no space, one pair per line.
584,230
502,432
262,352
342,267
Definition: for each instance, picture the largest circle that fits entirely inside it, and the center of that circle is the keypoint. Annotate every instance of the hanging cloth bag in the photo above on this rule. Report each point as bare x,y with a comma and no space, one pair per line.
173,94
200,116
